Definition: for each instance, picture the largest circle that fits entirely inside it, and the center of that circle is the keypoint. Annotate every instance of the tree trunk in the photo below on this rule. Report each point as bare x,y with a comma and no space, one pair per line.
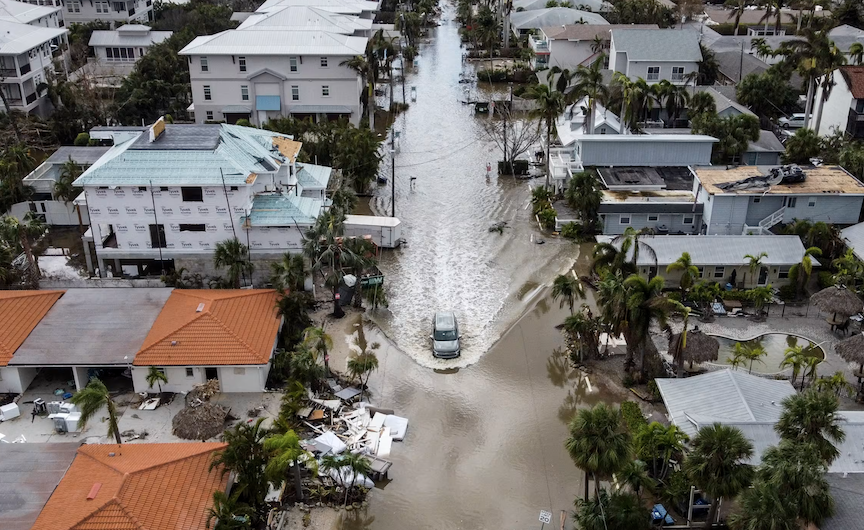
596,486
548,148
298,485
737,22
712,512
112,418
808,105
821,104
25,243
586,485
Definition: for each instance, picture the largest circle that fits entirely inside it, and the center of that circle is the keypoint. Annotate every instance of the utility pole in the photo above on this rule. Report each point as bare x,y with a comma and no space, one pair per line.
392,172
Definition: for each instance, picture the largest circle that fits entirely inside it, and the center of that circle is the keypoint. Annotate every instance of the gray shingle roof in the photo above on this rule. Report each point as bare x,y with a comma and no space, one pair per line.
724,396
721,250
81,155
848,493
553,16
658,44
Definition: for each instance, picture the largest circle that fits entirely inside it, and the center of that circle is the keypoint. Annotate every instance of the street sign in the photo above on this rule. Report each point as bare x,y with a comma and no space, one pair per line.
545,517
371,280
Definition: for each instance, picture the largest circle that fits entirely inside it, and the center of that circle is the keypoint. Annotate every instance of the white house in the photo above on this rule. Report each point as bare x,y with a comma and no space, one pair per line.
26,53
113,11
126,44
573,45
43,14
844,108
308,18
595,6
655,54
259,74
750,200
174,192
359,8
199,335
524,22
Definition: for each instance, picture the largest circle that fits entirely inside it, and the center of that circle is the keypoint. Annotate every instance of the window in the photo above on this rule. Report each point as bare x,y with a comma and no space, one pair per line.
719,272
757,200
208,95
653,218
190,372
701,272
209,115
239,371
73,6
163,188
295,93
242,62
234,188
624,220
688,220
325,91
790,202
157,236
102,7
244,92
119,6
653,73
292,64
142,188
193,228
677,73
811,202
783,273
323,62
205,66
192,194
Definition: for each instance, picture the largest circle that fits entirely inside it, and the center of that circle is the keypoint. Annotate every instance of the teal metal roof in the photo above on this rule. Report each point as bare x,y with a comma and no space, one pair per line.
283,210
312,177
185,156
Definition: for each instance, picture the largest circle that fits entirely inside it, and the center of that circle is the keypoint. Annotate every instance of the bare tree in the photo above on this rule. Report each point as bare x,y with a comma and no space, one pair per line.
514,133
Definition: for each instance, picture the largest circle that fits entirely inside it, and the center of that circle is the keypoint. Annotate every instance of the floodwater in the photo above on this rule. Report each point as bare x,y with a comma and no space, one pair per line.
775,345
447,202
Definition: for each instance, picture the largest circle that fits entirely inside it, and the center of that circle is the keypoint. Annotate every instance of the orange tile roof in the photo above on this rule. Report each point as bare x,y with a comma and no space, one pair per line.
143,487
20,312
234,327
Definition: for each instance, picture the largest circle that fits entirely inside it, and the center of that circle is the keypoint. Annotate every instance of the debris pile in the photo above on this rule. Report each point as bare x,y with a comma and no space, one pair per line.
200,422
203,392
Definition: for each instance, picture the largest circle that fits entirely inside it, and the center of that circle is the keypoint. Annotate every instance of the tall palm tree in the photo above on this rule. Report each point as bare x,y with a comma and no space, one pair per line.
318,340
91,399
362,365
284,451
233,255
612,303
856,53
812,56
737,8
589,83
586,329
229,513
245,457
750,353
659,445
798,473
584,195
635,476
155,375
811,418
358,464
830,62
599,443
624,92
568,288
794,358
754,264
618,510
689,272
802,271
25,232
289,273
835,384
294,306
762,507
63,188
550,105
717,464
645,303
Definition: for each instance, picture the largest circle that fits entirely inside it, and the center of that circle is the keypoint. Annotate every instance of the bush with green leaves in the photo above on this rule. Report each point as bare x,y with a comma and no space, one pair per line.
82,139
633,418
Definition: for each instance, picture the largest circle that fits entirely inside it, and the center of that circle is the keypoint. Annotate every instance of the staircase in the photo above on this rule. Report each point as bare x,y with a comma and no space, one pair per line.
765,224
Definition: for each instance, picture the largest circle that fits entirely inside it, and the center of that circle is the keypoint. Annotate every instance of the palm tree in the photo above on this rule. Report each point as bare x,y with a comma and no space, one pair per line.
856,53
361,366
63,188
717,464
752,352
754,264
737,9
830,62
739,354
659,445
811,364
612,303
234,255
608,257
229,513
568,288
689,272
635,476
616,511
798,473
289,273
319,341
645,303
762,508
245,457
550,105
585,328
802,271
293,307
795,358
811,418
624,91
589,83
760,296
29,228
836,384
284,451
358,464
584,195
599,443
155,375
91,399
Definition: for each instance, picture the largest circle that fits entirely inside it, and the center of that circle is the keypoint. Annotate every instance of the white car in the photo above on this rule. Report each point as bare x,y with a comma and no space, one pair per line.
795,121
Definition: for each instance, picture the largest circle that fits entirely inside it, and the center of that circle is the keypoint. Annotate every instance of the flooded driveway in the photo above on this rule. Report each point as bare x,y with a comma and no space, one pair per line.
452,261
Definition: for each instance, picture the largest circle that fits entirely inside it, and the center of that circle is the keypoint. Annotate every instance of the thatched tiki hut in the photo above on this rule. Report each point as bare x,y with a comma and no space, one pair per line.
837,300
852,350
697,348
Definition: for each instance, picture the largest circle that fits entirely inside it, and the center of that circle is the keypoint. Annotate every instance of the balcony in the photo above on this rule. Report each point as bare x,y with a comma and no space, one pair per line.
25,68
539,46
32,97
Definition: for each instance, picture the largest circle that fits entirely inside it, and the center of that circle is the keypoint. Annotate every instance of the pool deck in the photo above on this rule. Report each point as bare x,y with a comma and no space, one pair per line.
813,327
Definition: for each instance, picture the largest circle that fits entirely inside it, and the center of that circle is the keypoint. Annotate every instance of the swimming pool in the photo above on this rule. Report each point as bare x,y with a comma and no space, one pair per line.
775,345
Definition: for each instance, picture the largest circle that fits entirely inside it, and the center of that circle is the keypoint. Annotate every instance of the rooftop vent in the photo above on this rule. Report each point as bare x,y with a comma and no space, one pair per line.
173,343
200,307
95,489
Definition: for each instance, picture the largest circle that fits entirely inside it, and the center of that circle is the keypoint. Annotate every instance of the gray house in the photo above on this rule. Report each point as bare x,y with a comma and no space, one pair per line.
655,54
740,201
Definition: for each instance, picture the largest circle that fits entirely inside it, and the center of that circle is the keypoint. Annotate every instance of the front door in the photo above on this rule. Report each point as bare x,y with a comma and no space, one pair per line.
763,276
211,373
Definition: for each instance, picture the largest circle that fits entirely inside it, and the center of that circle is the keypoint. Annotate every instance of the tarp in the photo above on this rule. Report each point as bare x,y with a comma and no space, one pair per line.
332,441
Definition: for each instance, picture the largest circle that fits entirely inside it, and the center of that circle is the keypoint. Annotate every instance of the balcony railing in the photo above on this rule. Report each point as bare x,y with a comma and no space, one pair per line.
8,72
25,68
539,45
31,98
131,11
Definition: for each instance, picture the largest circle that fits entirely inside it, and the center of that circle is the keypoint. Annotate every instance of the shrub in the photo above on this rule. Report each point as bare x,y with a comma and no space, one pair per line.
547,218
572,231
632,416
82,139
674,295
788,292
741,296
243,122
825,279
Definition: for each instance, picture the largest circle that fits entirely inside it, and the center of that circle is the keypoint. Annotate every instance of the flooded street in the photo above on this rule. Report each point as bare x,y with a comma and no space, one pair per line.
452,261
485,447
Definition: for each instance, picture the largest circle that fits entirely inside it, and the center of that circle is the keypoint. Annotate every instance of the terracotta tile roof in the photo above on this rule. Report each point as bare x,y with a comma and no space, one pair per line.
143,487
20,312
233,327
854,77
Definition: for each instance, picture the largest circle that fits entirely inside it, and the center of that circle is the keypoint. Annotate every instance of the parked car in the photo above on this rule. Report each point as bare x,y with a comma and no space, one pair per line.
795,121
445,335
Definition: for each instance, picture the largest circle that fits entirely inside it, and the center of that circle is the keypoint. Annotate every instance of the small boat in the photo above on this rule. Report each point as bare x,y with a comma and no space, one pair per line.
413,93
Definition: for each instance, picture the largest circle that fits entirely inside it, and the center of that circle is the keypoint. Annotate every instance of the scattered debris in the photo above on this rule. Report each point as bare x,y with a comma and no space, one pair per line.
203,392
499,227
200,422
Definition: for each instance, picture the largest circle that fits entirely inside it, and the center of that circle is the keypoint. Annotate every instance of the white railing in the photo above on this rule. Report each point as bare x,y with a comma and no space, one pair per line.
766,224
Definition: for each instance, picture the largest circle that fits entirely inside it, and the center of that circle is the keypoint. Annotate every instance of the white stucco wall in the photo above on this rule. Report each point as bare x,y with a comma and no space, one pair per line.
835,111
252,378
9,380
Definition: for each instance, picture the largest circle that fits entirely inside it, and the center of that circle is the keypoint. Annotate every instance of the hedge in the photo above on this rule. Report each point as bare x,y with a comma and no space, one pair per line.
632,415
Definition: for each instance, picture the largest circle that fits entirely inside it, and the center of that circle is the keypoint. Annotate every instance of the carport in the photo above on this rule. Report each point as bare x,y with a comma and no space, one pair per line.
95,331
